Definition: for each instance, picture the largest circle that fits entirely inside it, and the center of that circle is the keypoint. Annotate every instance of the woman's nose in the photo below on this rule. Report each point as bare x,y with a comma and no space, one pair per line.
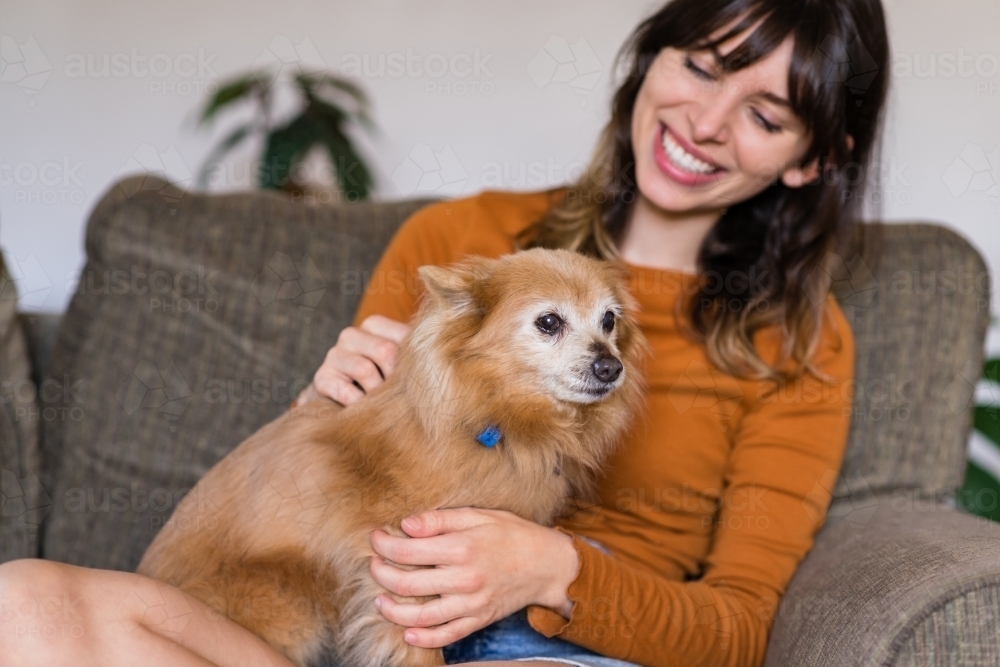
710,119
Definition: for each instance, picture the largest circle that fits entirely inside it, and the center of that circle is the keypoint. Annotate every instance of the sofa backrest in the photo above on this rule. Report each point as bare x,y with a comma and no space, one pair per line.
918,301
199,317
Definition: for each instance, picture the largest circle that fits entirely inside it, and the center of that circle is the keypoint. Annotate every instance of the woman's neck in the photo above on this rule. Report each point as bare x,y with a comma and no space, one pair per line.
664,240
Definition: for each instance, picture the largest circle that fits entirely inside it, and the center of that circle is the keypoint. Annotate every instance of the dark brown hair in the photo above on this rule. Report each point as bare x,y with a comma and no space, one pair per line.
785,237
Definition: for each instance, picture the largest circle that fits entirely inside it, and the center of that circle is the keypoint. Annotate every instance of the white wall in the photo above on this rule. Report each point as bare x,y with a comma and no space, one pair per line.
66,135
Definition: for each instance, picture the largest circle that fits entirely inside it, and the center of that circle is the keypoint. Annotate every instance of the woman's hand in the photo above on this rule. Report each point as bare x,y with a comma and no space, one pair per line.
360,361
488,564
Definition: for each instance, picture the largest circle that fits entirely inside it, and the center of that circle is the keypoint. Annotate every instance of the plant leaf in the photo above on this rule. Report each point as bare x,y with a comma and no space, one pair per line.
346,86
991,370
229,92
352,174
327,112
327,88
285,147
979,492
987,421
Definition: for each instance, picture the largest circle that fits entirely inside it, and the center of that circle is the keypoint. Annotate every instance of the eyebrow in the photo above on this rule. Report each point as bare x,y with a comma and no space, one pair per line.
769,96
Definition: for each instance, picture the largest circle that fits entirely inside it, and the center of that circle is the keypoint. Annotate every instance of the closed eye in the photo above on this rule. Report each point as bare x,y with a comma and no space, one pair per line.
765,123
699,72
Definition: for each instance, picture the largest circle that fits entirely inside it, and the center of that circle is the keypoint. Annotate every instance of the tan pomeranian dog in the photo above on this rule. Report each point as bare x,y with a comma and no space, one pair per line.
518,378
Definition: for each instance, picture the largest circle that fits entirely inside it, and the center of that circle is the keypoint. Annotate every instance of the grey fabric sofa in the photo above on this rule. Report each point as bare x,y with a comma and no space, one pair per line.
199,317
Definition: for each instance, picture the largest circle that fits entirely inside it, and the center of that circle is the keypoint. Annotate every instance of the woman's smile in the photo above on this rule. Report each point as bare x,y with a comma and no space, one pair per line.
682,162
704,138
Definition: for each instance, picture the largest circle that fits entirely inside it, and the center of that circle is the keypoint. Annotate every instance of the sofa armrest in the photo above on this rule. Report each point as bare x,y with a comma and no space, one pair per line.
900,582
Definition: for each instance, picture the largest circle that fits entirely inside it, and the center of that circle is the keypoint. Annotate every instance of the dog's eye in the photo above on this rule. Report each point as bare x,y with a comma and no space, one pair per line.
550,323
609,322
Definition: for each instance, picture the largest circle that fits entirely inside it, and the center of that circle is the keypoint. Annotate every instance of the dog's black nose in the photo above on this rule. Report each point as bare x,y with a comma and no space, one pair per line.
607,369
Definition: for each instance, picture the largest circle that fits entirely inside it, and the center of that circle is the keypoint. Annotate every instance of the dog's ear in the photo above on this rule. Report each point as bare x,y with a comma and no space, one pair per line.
455,286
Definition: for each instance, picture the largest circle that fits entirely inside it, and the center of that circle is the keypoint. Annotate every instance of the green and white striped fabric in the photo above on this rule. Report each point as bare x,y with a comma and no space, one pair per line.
981,490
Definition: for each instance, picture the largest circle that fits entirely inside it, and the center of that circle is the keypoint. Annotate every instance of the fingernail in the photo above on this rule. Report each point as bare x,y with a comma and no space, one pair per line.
410,522
378,603
410,637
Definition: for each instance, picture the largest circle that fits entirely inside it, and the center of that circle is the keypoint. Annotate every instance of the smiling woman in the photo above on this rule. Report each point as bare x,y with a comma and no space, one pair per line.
720,182
728,110
719,185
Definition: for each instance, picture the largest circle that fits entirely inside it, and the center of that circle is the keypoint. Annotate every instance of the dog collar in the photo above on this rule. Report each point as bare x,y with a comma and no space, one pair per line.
489,436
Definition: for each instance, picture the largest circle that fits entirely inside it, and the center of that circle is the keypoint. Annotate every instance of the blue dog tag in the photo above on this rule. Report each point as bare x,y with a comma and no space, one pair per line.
489,436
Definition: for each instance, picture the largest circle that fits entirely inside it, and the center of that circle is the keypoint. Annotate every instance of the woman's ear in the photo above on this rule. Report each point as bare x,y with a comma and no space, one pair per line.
796,177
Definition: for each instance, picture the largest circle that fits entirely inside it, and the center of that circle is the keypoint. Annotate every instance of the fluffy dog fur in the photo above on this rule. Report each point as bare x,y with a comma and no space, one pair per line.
275,536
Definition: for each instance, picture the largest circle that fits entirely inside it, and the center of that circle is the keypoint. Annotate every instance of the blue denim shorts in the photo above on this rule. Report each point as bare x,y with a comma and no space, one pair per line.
512,638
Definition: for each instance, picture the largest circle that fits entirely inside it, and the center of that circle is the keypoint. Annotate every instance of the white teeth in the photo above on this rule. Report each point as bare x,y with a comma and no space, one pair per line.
682,158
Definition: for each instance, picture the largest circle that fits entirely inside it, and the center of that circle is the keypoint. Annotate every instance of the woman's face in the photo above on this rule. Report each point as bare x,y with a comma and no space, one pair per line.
704,140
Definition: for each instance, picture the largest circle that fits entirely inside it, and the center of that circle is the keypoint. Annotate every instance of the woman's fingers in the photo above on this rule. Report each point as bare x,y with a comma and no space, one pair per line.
386,328
426,614
347,373
423,581
336,386
362,359
439,522
442,635
451,549
378,338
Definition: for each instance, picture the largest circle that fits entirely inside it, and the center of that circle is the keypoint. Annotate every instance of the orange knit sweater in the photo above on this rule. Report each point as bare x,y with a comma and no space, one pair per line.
716,494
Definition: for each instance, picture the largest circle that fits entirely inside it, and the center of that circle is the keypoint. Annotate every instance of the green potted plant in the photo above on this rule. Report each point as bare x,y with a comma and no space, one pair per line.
981,489
330,106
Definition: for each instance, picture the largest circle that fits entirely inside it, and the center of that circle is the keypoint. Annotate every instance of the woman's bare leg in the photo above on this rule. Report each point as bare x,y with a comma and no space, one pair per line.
57,614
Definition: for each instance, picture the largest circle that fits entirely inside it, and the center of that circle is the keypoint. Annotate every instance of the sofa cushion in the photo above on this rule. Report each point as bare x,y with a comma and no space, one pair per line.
196,320
23,502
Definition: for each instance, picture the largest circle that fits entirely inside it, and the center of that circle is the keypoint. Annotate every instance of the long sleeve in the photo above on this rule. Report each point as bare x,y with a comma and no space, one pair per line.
708,511
777,486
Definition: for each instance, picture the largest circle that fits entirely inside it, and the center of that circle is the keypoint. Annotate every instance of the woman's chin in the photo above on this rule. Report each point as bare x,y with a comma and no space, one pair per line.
674,198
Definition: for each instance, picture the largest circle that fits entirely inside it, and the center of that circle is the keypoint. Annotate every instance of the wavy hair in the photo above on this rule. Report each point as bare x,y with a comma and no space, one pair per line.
787,238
